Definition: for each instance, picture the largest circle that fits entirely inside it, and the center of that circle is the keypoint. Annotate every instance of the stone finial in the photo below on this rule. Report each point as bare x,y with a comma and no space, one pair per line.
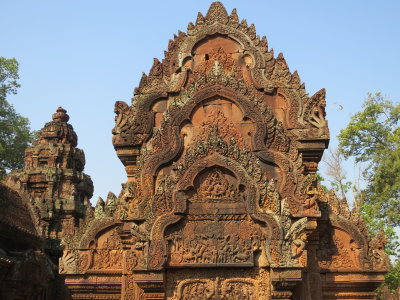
60,115
217,13
234,16
58,130
100,202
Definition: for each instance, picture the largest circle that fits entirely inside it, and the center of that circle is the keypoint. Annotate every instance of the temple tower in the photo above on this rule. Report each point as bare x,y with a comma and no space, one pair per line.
54,181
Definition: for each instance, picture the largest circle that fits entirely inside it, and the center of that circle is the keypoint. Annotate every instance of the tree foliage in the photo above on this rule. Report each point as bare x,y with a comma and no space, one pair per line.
373,137
15,133
393,277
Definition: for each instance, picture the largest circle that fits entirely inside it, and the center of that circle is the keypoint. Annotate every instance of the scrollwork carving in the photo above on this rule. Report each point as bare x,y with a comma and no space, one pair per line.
223,287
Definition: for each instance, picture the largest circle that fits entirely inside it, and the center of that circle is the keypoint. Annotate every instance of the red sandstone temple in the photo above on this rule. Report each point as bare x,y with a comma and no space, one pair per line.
220,144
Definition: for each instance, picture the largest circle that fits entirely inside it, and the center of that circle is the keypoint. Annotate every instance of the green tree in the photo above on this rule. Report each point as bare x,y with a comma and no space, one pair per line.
15,133
373,137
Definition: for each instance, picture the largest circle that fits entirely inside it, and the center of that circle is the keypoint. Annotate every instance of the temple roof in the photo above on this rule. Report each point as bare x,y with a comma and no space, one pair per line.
17,228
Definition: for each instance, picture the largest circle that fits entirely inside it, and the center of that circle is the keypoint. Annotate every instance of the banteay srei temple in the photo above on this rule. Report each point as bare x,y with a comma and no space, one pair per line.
221,144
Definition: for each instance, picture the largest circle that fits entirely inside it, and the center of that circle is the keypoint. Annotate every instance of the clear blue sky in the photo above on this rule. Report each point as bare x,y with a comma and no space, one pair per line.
85,55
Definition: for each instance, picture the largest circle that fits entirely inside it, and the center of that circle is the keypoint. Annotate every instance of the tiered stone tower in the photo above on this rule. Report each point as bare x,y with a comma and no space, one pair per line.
54,181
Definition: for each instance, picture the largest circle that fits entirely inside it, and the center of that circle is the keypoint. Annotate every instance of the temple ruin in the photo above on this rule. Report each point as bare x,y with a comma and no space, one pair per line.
221,145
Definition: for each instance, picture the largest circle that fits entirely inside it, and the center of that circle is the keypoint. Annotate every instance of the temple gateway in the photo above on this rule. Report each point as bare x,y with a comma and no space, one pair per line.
220,144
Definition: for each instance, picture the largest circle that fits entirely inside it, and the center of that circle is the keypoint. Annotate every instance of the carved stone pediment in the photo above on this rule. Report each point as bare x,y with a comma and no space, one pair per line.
221,144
